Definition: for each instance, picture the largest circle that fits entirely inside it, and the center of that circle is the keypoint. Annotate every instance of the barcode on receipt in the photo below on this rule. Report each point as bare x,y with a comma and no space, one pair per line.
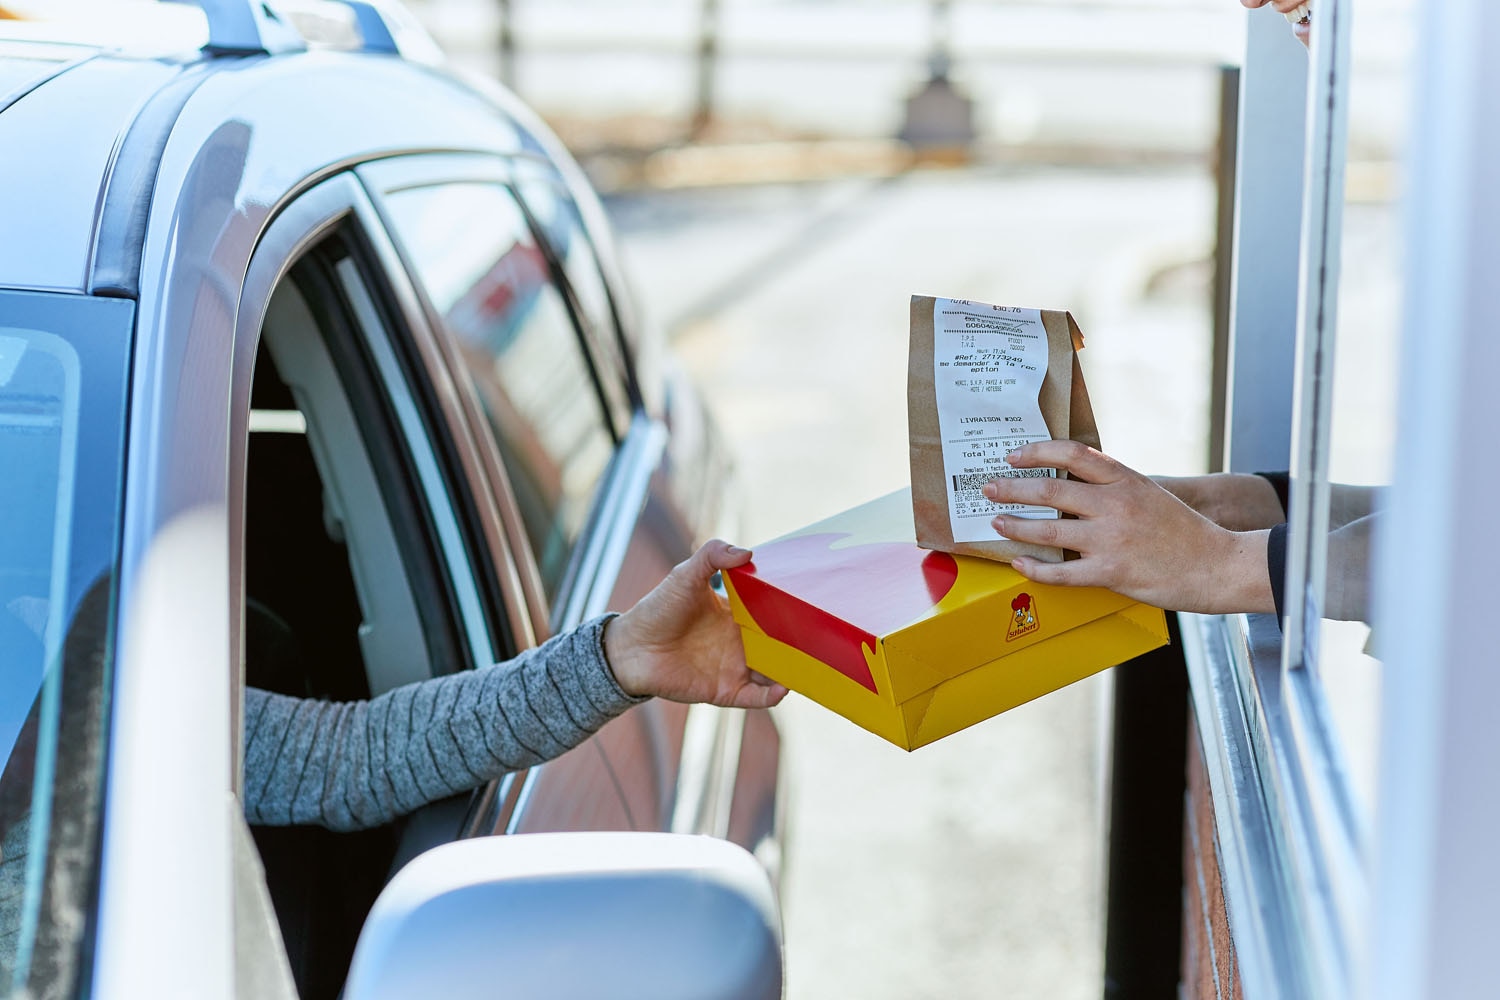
974,480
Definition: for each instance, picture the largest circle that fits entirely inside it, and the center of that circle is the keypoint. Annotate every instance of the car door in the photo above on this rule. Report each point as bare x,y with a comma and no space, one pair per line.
671,481
532,325
367,562
536,398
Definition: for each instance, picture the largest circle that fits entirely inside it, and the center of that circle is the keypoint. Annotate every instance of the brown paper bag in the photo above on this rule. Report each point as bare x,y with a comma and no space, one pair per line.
1062,398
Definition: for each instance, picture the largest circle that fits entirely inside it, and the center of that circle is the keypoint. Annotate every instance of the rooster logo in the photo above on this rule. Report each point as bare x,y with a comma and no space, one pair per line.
1022,617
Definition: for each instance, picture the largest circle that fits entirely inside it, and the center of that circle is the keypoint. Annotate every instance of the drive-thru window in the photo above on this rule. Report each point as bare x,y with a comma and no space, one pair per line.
1341,762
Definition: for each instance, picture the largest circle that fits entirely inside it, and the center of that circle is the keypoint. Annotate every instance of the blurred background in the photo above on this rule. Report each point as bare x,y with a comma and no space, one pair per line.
783,175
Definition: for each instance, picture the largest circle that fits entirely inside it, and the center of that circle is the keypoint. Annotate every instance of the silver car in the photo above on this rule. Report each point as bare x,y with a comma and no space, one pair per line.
317,374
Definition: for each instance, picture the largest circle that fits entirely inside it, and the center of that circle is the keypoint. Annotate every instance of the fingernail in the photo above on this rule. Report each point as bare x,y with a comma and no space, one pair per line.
999,525
735,550
991,490
1009,455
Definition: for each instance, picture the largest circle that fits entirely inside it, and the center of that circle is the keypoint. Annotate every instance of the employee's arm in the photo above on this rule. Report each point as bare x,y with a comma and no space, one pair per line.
1235,501
1132,536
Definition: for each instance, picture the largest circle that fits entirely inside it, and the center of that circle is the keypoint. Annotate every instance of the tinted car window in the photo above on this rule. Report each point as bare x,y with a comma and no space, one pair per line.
63,369
489,279
557,217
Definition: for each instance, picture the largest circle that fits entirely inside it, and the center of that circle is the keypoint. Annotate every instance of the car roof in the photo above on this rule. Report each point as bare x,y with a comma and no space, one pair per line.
104,132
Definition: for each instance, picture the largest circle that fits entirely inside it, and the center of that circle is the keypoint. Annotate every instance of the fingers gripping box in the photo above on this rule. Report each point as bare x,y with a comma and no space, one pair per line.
912,644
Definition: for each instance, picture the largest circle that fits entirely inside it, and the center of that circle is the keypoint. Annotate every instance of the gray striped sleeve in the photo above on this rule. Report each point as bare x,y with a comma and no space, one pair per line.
351,765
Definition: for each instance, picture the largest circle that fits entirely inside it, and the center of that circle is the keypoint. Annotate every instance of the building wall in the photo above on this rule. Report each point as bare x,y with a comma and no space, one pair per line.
1209,969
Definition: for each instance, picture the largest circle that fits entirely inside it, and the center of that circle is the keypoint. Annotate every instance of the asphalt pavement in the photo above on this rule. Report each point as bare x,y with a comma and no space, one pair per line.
971,868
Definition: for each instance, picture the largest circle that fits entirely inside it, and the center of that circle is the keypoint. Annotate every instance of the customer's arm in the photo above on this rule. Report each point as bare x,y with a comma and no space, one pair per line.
352,765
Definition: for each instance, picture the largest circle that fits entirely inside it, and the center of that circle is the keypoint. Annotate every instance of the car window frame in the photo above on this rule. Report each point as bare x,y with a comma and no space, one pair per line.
394,175
624,493
339,204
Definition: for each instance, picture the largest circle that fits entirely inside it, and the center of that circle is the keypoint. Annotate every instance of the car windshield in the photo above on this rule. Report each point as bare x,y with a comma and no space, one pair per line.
64,361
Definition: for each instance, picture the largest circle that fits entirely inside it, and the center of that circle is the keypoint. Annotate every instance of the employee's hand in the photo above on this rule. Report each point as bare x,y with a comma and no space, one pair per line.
1282,6
1132,536
1298,12
680,642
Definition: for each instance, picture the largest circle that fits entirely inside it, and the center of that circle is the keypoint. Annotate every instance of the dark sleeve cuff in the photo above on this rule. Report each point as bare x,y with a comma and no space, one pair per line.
1281,483
1276,567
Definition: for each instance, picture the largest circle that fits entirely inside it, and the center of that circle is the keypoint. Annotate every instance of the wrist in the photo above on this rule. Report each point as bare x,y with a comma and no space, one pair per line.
620,656
1242,582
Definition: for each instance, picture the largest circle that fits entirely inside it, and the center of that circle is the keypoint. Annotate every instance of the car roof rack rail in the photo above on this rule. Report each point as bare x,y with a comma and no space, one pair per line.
390,28
246,27
273,27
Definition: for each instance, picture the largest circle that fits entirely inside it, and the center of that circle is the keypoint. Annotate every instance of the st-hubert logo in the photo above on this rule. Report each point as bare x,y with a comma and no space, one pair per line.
1022,617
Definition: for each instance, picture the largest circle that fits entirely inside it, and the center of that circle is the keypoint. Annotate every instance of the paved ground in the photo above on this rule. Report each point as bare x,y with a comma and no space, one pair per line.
971,868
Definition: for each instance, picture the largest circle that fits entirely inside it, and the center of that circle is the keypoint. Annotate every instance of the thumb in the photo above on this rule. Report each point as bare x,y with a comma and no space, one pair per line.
715,555
757,696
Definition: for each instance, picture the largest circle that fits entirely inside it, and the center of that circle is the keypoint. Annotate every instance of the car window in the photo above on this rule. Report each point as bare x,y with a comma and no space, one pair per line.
558,220
62,392
488,278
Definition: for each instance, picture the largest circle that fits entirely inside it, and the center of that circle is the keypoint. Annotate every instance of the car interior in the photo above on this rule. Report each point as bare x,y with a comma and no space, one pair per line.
335,567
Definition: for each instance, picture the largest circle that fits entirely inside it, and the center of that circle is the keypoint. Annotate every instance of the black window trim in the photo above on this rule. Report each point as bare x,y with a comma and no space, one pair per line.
410,511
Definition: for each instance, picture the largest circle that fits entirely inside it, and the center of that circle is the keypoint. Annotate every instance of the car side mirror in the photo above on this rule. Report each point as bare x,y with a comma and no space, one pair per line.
602,916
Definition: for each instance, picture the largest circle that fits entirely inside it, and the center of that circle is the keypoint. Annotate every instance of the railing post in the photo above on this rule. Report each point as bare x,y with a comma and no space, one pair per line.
1226,155
708,53
507,46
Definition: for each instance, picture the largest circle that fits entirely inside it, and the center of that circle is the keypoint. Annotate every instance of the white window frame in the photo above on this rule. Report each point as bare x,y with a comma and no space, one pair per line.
1322,902
1433,919
1307,908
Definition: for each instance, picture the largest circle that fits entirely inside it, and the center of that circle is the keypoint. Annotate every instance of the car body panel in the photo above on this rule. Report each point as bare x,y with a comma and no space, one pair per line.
166,917
49,235
188,186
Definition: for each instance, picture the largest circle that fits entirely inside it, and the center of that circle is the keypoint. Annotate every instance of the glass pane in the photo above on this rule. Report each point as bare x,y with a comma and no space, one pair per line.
558,218
38,425
1360,457
488,278
61,448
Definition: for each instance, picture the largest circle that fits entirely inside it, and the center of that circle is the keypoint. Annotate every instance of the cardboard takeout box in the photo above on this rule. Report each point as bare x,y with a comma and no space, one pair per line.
914,645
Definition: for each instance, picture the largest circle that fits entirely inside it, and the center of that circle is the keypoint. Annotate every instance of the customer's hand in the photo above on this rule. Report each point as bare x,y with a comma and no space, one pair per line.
680,643
1132,536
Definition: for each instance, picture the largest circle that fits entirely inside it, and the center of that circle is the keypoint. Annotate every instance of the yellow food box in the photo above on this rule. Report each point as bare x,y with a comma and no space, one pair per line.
914,645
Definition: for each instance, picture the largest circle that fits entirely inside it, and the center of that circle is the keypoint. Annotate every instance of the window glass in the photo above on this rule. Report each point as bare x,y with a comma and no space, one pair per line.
38,431
558,218
1340,646
490,281
62,389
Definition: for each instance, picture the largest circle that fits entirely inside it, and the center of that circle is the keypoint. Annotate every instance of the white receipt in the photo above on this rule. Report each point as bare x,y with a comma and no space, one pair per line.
988,367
